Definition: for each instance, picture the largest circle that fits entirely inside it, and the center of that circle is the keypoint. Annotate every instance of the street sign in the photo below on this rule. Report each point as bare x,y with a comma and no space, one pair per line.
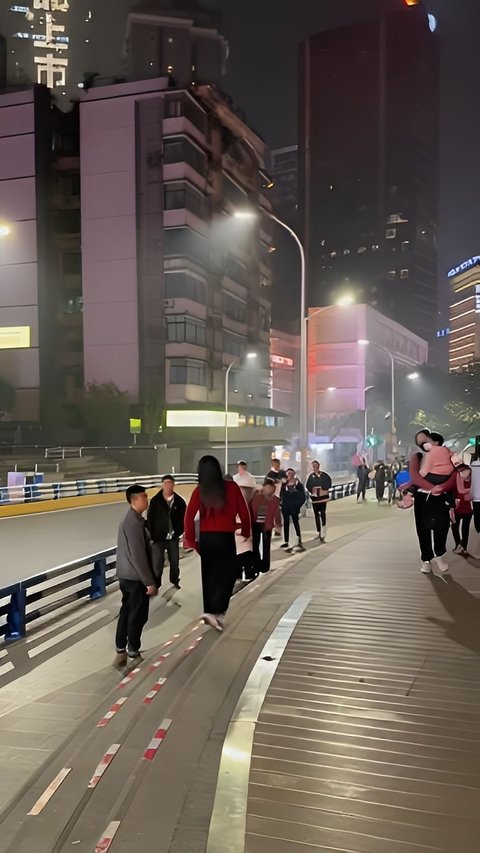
373,440
135,426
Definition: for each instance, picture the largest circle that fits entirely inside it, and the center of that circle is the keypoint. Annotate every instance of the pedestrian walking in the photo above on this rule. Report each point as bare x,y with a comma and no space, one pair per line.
279,476
135,574
432,512
463,511
218,502
292,497
380,480
246,481
318,486
362,476
165,522
265,513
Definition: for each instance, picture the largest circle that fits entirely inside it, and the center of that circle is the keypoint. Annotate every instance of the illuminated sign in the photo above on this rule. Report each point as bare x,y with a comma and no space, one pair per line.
472,262
48,37
14,337
201,418
442,333
281,361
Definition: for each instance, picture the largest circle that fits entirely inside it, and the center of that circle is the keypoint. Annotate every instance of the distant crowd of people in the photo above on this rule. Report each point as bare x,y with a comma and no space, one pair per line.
229,521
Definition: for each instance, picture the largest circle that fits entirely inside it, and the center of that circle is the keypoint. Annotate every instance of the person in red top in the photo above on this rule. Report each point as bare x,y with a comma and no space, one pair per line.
463,511
265,513
217,502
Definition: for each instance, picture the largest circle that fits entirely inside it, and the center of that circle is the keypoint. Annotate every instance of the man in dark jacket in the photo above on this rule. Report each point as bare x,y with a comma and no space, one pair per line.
165,522
292,497
135,573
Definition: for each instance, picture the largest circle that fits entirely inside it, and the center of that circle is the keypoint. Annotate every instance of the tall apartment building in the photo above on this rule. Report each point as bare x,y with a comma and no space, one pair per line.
464,331
368,159
40,265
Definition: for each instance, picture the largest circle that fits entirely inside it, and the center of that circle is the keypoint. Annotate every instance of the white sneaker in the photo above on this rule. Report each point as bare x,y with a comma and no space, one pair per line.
209,619
441,565
426,568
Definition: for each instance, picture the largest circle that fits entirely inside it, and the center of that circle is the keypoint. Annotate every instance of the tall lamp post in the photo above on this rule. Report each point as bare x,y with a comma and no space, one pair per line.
251,356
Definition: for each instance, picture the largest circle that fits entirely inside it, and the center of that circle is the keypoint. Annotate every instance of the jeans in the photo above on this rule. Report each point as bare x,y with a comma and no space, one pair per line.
461,530
259,534
293,515
320,513
171,546
133,616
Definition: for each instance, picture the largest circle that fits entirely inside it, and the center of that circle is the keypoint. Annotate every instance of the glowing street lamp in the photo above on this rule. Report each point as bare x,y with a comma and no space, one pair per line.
5,229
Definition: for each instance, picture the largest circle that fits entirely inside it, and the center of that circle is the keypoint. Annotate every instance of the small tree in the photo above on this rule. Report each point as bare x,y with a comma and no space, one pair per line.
153,414
105,411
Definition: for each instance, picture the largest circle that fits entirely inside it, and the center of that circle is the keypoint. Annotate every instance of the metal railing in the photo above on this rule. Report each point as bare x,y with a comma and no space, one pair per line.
34,492
89,577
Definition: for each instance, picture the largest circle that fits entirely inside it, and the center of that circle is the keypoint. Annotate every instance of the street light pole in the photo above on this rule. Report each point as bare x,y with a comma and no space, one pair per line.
303,420
227,379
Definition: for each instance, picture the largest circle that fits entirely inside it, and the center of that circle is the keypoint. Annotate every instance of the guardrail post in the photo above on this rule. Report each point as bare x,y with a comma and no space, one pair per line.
15,628
98,588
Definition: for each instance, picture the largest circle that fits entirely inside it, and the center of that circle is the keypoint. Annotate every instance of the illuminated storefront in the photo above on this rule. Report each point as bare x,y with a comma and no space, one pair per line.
463,335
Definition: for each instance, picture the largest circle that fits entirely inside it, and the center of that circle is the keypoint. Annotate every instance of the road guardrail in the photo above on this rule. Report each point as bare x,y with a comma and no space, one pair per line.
89,578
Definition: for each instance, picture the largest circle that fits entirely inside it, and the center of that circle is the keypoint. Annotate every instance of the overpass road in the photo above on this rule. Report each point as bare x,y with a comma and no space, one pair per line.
34,543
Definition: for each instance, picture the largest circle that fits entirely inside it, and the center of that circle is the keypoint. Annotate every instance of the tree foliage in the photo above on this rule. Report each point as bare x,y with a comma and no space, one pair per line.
104,411
8,396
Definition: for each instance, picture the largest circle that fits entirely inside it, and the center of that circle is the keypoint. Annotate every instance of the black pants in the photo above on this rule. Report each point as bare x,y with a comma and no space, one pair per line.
218,557
172,547
133,616
259,534
432,516
320,513
362,488
461,529
293,515
380,489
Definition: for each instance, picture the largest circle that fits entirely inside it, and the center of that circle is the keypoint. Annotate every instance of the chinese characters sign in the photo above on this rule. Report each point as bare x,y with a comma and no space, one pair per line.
52,63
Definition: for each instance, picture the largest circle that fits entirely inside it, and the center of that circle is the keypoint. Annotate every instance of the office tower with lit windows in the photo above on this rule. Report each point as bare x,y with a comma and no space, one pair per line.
464,330
368,163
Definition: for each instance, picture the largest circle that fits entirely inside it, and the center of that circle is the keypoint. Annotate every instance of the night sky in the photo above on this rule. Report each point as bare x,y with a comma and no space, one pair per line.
262,78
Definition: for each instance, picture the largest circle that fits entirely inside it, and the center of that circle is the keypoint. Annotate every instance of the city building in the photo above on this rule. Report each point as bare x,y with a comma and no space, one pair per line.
285,369
464,330
350,352
368,162
284,175
185,45
40,265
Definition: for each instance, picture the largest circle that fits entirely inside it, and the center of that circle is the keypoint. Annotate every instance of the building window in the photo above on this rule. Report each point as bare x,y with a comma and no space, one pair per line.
235,270
182,329
174,107
391,233
404,273
234,308
181,195
184,242
234,344
391,275
183,285
67,221
71,263
233,193
179,149
186,371
74,305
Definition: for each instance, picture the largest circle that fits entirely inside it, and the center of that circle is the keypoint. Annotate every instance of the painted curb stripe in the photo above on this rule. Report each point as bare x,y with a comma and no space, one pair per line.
192,647
153,692
159,661
105,842
49,792
157,740
104,764
111,713
128,678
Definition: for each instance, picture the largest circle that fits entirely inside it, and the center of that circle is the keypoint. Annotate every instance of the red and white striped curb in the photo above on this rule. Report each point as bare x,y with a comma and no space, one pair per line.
104,764
153,692
159,661
105,842
49,792
157,740
170,642
111,713
193,646
128,678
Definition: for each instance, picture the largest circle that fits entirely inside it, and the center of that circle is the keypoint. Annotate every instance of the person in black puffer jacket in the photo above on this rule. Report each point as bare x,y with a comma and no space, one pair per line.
165,522
292,498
